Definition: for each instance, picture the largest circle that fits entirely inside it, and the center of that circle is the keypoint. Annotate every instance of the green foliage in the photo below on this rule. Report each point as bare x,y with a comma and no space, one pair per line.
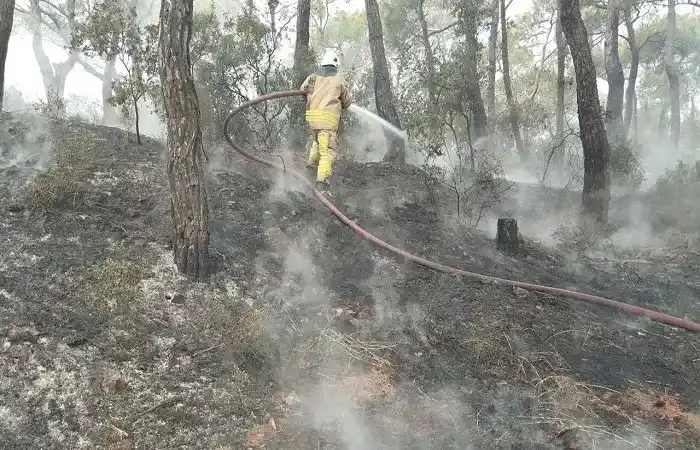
651,35
673,181
206,34
240,57
626,165
113,32
239,60
344,32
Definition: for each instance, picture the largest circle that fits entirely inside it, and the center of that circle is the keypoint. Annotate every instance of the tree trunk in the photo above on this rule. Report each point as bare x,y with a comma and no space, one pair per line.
561,82
190,211
493,47
468,18
109,113
615,76
383,94
7,12
53,75
136,121
512,103
693,116
631,93
635,120
596,150
429,57
303,58
672,74
303,65
662,133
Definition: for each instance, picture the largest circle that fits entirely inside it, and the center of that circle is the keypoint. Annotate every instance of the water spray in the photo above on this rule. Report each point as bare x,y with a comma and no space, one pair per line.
362,112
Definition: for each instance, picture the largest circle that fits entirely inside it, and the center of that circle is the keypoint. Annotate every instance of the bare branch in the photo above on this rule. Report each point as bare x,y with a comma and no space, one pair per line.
89,68
443,29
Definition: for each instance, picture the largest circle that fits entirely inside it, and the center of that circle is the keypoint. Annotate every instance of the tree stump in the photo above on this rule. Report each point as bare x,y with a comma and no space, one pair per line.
507,236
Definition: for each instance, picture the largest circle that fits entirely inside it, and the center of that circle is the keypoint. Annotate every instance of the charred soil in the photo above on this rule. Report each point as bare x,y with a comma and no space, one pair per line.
306,335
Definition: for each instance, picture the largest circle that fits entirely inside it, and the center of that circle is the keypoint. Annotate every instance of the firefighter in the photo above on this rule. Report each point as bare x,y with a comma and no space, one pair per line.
327,95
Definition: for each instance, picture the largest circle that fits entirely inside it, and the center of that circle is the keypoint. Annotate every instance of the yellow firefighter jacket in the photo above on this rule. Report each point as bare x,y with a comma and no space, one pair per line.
327,95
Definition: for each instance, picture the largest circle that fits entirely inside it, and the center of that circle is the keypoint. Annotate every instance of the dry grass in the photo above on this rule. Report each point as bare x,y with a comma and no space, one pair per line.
227,324
572,407
234,328
681,248
74,159
110,287
374,382
359,368
494,353
578,239
325,345
260,434
368,352
650,405
578,412
370,387
227,320
141,186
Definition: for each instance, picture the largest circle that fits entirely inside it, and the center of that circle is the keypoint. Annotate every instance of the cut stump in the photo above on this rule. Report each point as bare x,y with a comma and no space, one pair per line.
507,237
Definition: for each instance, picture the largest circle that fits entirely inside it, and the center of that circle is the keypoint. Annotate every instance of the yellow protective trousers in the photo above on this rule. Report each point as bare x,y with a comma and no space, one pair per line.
323,151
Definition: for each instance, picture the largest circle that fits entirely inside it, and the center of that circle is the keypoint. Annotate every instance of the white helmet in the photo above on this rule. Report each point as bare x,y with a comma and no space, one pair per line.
330,58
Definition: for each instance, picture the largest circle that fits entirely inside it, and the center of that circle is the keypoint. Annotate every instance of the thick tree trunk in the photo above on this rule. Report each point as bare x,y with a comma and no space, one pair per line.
615,76
190,211
468,19
561,82
7,13
303,65
109,112
493,47
513,106
303,57
383,94
674,92
596,150
631,92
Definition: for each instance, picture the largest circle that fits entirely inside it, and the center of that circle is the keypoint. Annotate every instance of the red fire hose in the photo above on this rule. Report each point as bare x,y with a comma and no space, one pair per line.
636,310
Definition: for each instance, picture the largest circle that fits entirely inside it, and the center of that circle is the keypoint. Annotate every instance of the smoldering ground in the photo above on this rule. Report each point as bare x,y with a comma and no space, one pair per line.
307,336
327,408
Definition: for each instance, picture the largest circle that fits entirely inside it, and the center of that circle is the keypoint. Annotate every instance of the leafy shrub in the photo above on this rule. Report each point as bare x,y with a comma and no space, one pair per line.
683,174
626,166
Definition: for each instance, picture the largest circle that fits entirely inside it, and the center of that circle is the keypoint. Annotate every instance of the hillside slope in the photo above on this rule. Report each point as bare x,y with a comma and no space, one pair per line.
308,336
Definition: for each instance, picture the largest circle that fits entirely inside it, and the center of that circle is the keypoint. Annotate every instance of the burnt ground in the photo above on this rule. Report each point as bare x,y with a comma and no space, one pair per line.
307,336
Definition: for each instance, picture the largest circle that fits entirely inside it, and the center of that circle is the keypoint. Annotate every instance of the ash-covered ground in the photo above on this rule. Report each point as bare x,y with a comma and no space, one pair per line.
307,336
